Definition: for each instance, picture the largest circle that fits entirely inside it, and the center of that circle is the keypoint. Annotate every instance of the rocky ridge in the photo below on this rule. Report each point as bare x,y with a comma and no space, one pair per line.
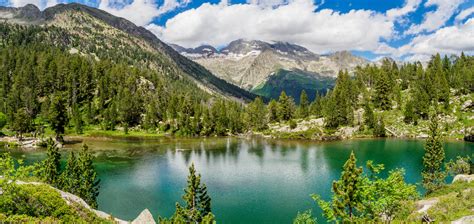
250,63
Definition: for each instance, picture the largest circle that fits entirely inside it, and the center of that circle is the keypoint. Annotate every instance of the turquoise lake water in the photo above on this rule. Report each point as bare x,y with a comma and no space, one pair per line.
249,180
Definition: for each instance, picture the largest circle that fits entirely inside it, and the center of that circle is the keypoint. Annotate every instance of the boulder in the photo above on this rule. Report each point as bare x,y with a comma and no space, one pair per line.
467,106
463,177
465,219
469,138
145,217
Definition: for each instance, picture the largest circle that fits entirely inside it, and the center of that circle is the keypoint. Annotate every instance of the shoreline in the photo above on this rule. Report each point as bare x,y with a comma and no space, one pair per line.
27,144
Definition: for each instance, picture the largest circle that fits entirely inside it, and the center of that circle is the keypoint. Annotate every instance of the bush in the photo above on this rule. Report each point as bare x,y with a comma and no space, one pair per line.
460,166
33,200
3,120
29,203
293,124
379,128
304,218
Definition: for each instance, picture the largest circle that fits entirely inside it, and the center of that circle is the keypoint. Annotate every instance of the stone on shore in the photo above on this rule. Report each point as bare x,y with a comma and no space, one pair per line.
145,217
463,177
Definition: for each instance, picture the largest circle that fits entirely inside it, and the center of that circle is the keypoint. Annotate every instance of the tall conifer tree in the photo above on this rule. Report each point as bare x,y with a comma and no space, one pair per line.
52,164
433,159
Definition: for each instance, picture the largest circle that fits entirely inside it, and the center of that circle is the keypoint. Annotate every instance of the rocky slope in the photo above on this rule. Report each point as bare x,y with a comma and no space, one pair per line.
90,31
250,63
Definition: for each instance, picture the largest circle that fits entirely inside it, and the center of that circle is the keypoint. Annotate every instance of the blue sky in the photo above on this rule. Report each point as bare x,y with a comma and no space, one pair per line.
403,29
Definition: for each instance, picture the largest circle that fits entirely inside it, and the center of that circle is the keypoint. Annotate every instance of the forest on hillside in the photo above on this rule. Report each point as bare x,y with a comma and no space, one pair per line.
44,87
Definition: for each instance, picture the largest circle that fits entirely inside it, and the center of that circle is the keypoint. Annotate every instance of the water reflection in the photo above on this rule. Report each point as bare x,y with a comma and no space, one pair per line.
250,180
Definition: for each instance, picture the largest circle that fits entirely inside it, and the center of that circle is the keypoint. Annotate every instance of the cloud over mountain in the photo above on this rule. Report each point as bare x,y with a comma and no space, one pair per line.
298,22
406,29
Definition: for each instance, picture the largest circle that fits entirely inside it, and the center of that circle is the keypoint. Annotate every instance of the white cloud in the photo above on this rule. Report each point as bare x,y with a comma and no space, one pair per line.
408,7
268,3
464,14
297,21
141,12
447,40
436,19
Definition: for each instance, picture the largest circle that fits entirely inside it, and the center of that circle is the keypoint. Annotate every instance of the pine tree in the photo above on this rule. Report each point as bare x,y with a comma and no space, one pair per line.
379,128
272,109
369,117
78,122
432,174
257,115
338,108
22,122
52,164
383,91
303,109
346,194
316,107
89,182
420,94
409,113
70,177
286,107
437,80
198,202
58,116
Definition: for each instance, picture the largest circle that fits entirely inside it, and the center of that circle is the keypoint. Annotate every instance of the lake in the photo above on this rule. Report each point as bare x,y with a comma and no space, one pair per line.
249,180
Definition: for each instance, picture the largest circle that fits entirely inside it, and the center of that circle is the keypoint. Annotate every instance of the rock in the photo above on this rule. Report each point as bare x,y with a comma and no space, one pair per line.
468,105
71,198
348,132
469,138
422,135
424,205
465,219
145,217
464,178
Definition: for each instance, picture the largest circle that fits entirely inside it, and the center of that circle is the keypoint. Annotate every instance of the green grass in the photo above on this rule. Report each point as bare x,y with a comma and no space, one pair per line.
455,201
28,203
451,188
93,131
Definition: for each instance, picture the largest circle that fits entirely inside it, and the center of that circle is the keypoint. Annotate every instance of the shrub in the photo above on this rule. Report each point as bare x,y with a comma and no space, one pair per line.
3,120
293,124
460,166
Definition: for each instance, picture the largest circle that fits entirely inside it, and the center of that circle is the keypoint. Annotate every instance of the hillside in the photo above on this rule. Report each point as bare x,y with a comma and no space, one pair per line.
251,63
293,82
90,31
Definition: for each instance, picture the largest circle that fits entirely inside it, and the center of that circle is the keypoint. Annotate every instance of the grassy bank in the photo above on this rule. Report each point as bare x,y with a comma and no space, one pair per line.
449,203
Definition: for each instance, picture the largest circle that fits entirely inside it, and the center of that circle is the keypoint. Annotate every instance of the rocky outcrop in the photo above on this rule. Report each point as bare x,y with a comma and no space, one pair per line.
464,220
463,178
250,63
424,205
71,199
145,217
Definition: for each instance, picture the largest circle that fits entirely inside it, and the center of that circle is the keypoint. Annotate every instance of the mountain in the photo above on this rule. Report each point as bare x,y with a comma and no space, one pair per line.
251,63
90,31
293,82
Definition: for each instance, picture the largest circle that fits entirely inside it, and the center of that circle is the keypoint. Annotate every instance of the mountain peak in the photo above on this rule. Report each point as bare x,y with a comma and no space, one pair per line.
243,47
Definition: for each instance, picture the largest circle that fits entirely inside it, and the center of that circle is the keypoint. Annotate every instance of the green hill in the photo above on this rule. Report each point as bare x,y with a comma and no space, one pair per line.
293,82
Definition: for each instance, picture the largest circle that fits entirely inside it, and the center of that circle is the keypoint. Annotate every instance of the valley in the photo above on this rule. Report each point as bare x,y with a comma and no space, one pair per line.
100,120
